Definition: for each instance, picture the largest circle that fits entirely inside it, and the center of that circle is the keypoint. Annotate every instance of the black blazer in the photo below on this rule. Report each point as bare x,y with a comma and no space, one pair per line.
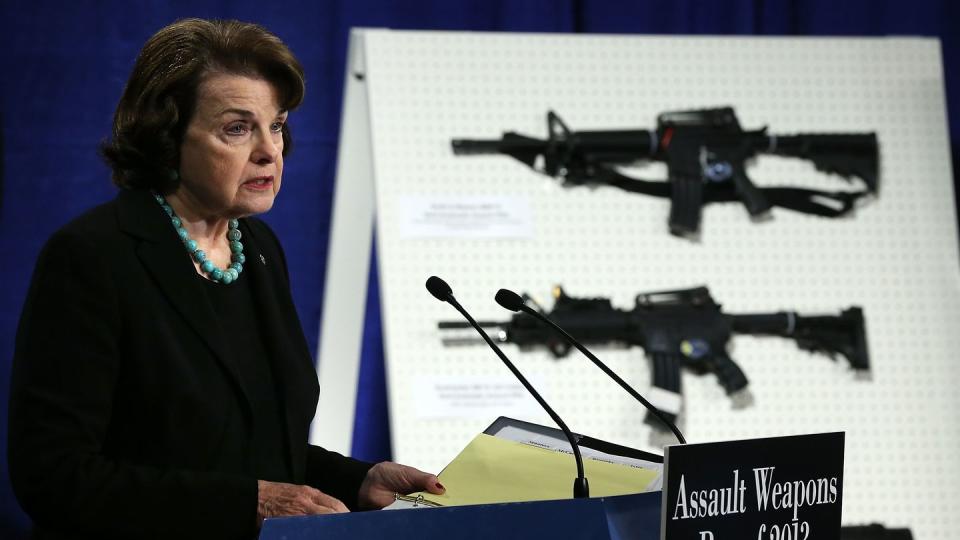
121,386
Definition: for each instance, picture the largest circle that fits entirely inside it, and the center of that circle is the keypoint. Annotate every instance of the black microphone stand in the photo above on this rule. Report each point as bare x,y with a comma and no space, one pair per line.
514,302
441,291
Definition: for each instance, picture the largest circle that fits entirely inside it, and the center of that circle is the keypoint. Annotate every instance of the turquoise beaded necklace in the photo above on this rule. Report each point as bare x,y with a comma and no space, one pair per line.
227,275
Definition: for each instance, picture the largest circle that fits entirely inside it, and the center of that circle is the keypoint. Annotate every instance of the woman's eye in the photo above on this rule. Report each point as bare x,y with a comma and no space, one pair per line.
276,127
236,129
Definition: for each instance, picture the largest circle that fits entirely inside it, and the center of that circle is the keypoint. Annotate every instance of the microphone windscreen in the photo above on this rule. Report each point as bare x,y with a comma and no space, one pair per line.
439,288
509,300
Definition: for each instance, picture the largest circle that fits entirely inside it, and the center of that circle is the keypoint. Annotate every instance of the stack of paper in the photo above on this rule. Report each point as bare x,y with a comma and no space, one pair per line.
497,470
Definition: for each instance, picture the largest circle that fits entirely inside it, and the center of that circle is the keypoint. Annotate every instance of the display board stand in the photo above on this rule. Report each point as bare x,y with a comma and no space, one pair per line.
409,93
345,288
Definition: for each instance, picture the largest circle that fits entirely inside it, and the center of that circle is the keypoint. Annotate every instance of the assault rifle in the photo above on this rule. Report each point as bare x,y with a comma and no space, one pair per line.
705,152
683,328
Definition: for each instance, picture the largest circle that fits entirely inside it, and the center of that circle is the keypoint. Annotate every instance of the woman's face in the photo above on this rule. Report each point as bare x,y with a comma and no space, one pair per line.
231,157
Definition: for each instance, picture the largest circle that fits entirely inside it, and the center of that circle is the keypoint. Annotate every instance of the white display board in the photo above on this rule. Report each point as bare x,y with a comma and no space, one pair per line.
483,223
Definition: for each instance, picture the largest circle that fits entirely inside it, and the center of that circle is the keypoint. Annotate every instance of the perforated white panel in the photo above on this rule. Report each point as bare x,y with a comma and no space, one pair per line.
897,257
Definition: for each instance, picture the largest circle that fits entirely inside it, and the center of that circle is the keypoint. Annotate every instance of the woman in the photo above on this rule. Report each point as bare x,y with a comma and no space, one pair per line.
162,386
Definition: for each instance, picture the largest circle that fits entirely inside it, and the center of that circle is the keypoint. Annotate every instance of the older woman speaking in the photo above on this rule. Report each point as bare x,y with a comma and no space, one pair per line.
162,386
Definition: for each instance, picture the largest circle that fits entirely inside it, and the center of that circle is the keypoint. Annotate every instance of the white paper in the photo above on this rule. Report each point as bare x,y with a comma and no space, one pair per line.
477,217
478,397
558,444
402,505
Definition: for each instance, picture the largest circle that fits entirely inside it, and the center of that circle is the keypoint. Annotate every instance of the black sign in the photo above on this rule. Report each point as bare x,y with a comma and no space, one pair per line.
781,488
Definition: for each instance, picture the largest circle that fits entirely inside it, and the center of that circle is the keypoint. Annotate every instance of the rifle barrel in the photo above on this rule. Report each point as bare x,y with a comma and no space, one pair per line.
467,147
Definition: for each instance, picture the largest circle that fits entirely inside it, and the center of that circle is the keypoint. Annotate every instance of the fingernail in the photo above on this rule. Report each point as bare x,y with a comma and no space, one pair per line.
439,485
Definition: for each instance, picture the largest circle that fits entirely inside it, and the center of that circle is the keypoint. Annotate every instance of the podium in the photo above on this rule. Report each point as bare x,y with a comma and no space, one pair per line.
603,518
781,488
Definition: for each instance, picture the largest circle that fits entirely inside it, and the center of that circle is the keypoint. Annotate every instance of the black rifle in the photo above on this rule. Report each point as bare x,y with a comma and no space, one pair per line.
683,328
705,152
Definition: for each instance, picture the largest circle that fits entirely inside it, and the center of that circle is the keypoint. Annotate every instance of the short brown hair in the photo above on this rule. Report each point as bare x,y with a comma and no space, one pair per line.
159,99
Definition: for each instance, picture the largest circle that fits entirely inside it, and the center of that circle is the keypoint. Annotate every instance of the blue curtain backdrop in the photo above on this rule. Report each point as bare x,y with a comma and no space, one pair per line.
64,65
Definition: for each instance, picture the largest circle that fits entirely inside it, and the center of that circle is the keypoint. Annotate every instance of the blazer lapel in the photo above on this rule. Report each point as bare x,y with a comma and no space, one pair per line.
168,263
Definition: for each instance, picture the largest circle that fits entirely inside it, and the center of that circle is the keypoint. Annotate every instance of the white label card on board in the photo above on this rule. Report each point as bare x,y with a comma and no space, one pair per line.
481,397
477,217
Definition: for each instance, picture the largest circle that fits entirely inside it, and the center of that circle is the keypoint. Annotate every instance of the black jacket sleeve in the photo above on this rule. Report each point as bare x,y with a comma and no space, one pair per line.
336,475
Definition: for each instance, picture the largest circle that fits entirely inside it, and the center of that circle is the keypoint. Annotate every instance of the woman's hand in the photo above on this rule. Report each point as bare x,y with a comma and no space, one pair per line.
385,479
276,499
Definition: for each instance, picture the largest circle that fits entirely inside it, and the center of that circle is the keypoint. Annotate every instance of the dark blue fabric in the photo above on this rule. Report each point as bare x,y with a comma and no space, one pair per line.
371,424
64,65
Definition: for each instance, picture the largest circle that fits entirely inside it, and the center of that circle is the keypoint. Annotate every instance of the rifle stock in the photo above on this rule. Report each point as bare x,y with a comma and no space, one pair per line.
845,154
843,334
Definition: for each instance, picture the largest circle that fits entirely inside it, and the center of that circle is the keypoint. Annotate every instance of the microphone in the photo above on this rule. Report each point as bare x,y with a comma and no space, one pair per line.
514,302
441,291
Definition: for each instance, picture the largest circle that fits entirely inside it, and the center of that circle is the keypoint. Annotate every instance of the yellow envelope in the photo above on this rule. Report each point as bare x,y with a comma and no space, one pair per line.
495,470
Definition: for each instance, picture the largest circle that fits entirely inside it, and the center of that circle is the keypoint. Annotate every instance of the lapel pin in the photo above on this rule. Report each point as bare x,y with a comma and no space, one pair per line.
263,259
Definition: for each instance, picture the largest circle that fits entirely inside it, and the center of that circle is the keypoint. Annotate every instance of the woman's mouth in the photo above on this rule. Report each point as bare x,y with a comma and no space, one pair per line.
260,183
